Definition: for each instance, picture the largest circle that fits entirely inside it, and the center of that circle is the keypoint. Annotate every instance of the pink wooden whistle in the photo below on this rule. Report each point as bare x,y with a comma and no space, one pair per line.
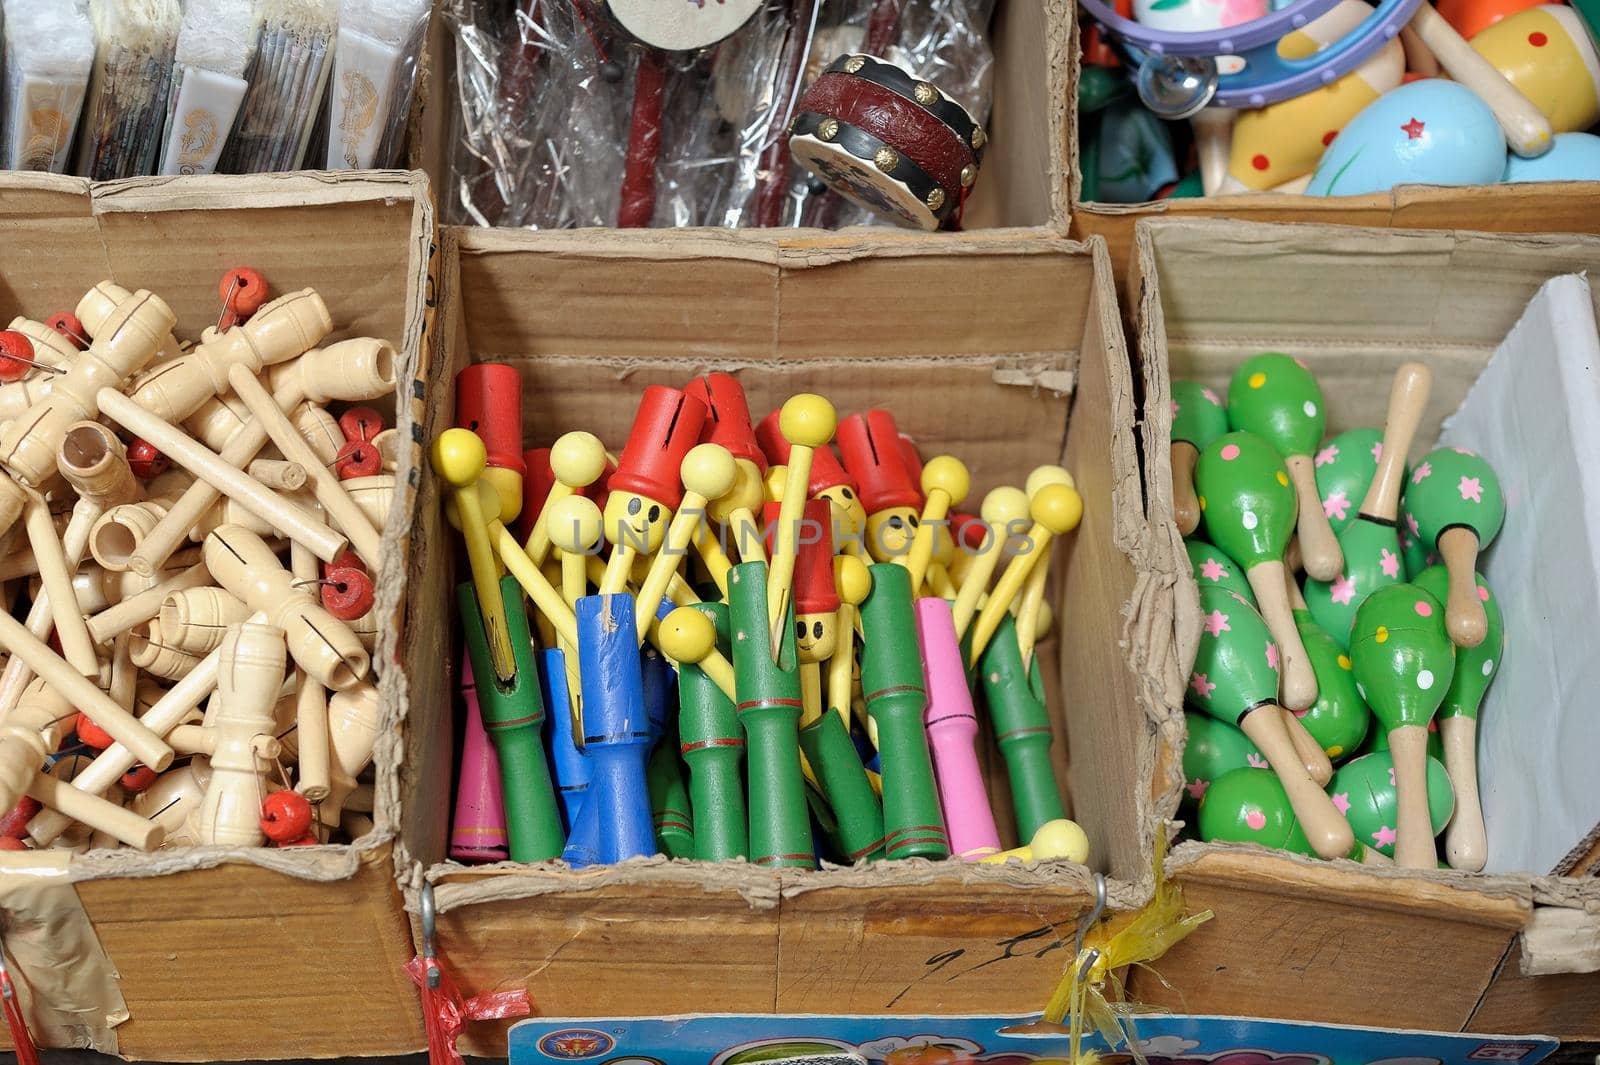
952,735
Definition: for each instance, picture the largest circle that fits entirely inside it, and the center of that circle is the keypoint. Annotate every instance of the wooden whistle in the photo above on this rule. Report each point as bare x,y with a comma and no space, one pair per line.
96,310
354,717
239,735
172,801
320,644
194,620
154,652
119,530
18,397
220,419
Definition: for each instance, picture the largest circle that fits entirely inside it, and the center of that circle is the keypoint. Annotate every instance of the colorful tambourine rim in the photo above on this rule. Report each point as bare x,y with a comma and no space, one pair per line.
682,25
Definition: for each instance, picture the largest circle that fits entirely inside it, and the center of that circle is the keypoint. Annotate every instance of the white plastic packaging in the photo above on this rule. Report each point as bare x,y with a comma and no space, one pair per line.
215,48
49,48
375,71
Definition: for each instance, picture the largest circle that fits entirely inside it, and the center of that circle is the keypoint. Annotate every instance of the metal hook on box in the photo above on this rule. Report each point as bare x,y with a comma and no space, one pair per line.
429,926
1090,919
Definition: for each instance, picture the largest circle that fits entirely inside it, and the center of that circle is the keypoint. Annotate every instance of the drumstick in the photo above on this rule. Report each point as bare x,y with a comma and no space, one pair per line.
1528,132
708,473
577,459
1055,510
945,483
325,486
807,422
1003,508
296,521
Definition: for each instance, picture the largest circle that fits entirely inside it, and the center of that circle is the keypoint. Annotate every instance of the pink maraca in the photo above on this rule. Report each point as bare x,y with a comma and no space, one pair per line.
952,734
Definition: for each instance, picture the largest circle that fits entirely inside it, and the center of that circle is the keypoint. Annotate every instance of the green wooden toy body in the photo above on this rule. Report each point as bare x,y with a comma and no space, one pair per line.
1371,561
1279,400
712,745
1344,469
769,711
1214,569
1339,720
1364,791
1450,488
1015,700
1250,806
513,717
1236,669
1248,504
1198,416
1475,666
891,681
1403,656
857,814
669,801
1214,748
1416,555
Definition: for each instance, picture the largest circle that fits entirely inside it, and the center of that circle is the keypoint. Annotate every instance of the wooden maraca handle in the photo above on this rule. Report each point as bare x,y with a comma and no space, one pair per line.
1319,547
1407,398
1464,615
1185,506
1267,580
1527,130
1466,844
1414,847
1325,828
1318,766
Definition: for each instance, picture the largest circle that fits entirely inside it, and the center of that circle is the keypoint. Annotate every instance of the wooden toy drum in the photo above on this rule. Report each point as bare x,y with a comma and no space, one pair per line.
887,141
684,26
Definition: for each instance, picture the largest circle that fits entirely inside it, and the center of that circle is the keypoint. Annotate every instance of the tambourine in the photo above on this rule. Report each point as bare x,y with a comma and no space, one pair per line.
685,26
887,141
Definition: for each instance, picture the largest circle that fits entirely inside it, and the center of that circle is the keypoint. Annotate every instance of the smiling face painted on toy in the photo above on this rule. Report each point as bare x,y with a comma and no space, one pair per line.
636,520
816,636
889,532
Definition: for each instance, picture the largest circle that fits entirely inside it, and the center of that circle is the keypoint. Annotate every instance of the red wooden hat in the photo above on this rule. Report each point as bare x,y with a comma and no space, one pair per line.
489,402
970,530
814,591
826,472
729,424
536,485
870,446
667,425
913,459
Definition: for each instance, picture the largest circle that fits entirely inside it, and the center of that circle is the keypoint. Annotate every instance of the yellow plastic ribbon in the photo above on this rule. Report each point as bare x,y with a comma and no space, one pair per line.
1090,993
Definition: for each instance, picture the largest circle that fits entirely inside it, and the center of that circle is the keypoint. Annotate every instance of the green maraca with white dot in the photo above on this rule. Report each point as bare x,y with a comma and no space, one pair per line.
1466,845
1278,399
1364,791
1198,417
1250,508
1455,506
1404,662
1250,806
1214,569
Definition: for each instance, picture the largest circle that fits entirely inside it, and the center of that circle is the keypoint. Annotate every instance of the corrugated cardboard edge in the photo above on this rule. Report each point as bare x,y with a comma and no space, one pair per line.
1570,893
235,193
1063,98
1330,208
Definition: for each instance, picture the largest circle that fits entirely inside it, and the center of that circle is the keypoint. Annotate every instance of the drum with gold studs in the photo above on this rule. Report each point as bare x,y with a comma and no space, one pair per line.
888,141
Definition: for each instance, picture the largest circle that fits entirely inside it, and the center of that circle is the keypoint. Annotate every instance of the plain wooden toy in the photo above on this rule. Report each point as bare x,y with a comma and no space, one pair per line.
1404,664
1364,790
354,720
239,737
807,422
1031,602
1053,841
1250,507
1278,399
1465,844
172,800
945,483
577,459
1371,543
1344,468
952,726
1198,417
708,472
320,644
1235,678
1454,504
1056,510
1003,509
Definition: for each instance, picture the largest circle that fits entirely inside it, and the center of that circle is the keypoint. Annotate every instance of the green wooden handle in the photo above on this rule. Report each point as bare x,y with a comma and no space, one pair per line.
844,782
712,745
1022,728
669,802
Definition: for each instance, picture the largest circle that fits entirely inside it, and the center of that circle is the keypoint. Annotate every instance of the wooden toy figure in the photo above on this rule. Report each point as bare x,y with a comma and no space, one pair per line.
945,483
1003,509
1249,505
1014,695
1214,569
892,684
1364,790
569,769
769,704
1345,467
1198,417
616,733
478,827
869,446
1251,806
1454,504
710,739
707,473
1546,53
829,481
1339,720
1465,846
489,403
952,726
646,490
1371,543
807,421
1235,679
1277,398
1056,510
1052,841
1404,663
1214,747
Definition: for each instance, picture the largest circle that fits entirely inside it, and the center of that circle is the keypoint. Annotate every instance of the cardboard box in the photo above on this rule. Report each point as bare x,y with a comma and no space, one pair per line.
1005,351
1025,167
231,953
1293,937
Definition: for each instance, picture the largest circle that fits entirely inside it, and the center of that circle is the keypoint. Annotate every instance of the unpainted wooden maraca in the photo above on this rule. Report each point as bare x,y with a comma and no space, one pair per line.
1364,790
1404,663
1235,678
1198,417
1371,543
1454,504
1250,509
1466,845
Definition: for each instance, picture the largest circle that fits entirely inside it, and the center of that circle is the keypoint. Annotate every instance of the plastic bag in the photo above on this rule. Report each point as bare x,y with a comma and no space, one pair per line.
127,101
49,50
288,76
374,73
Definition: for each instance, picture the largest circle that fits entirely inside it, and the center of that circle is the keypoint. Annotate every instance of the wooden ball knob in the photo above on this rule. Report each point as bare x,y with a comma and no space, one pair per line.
947,474
1060,839
360,423
16,355
242,290
459,457
574,524
1044,475
66,323
285,816
747,493
807,420
1002,506
852,579
1057,507
774,485
687,635
1045,619
709,470
578,459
